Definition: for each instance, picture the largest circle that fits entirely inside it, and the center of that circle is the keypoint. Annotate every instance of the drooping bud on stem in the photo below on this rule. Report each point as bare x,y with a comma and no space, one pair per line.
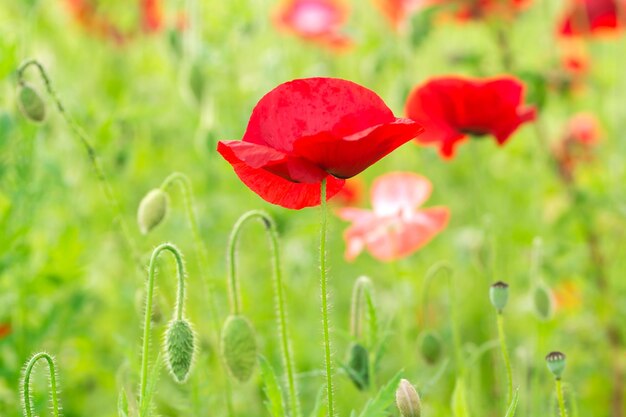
152,210
239,349
499,295
556,363
407,400
30,103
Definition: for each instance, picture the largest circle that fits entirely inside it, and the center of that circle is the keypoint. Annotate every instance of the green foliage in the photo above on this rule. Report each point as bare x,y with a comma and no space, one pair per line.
273,392
378,406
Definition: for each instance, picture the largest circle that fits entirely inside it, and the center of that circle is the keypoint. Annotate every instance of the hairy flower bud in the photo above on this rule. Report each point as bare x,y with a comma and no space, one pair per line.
430,347
556,363
407,400
358,366
239,348
152,210
179,349
31,104
499,295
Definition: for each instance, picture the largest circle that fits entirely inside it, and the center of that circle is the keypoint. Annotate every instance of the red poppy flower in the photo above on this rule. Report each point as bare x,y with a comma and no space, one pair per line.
86,14
317,21
396,227
351,193
451,108
592,17
312,129
582,134
5,330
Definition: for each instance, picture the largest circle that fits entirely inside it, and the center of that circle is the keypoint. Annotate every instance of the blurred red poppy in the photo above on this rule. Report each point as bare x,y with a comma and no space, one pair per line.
86,14
582,134
398,11
452,108
396,227
592,17
311,129
5,330
317,21
151,15
351,193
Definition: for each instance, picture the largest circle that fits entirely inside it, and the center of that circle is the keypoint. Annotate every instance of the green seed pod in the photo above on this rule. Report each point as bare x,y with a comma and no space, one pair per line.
179,349
430,347
358,366
239,348
197,82
407,400
543,302
499,295
31,104
152,210
556,363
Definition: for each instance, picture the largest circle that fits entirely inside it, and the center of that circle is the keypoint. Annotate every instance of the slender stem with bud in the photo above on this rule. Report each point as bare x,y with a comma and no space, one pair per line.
26,397
80,134
324,296
180,298
505,356
279,296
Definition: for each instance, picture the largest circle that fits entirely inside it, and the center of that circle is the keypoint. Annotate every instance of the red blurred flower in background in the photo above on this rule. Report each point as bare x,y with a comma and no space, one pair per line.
582,134
398,11
86,14
481,9
593,17
351,193
396,227
5,330
308,130
317,21
452,108
151,15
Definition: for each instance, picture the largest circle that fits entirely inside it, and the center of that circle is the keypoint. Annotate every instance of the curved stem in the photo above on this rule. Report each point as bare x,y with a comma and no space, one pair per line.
91,152
279,296
324,295
186,189
505,356
180,298
26,399
561,399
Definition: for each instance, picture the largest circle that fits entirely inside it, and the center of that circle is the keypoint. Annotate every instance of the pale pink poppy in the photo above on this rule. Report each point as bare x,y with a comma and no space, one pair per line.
396,227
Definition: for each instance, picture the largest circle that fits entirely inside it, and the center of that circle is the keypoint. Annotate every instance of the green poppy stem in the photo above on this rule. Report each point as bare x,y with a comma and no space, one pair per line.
180,298
560,398
26,397
279,297
505,357
79,133
324,296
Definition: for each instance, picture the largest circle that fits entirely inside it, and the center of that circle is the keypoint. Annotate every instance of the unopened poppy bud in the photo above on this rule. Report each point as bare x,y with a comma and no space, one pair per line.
358,366
556,363
542,302
30,103
152,210
499,295
180,348
239,349
430,347
197,81
407,400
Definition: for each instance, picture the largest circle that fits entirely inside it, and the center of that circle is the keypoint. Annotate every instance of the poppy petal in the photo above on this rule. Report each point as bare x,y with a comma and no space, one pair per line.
399,193
306,107
276,189
345,157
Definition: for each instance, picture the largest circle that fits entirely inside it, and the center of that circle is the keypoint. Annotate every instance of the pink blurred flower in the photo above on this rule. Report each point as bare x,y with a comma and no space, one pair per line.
396,227
581,135
317,21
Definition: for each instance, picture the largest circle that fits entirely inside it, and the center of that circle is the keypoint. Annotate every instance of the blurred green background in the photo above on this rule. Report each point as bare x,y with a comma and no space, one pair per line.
68,284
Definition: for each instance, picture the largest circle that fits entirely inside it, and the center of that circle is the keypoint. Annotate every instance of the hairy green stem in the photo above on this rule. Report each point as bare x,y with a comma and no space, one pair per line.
505,357
91,153
324,296
279,296
180,299
361,288
52,373
186,189
561,399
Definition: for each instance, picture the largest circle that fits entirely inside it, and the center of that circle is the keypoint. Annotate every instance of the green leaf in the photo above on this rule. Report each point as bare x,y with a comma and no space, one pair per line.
153,378
319,410
275,401
122,404
459,400
510,412
377,406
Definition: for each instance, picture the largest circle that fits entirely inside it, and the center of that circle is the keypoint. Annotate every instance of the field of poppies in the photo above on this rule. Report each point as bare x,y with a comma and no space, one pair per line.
314,208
